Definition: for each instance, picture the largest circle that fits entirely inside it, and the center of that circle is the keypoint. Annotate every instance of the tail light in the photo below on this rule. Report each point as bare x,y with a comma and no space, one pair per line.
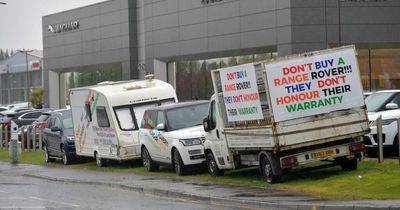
288,162
5,124
41,125
357,148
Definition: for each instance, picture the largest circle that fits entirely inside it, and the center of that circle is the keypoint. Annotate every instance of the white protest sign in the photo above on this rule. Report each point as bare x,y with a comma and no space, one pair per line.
240,91
322,83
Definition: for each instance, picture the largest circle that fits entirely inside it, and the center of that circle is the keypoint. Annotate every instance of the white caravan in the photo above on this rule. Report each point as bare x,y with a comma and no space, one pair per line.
106,116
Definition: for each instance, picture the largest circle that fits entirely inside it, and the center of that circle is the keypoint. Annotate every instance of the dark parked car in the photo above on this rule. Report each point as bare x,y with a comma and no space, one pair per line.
39,124
7,116
58,137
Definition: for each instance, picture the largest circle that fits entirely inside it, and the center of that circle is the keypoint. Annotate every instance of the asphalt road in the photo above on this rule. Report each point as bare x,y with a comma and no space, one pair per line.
17,192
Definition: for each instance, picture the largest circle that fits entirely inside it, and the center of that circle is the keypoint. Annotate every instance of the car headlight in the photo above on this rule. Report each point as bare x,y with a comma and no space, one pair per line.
384,122
70,138
190,142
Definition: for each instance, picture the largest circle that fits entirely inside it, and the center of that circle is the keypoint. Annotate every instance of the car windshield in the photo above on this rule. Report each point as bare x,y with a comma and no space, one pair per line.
188,116
42,118
376,100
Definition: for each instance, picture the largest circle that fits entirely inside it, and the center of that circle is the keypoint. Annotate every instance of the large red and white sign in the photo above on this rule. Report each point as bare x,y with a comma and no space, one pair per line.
322,83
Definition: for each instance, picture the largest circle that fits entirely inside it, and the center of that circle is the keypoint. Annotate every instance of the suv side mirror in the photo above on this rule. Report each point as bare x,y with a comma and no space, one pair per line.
391,106
161,127
55,129
206,124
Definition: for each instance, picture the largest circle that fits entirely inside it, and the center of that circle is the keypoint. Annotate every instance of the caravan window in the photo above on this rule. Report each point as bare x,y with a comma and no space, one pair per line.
102,118
129,116
125,118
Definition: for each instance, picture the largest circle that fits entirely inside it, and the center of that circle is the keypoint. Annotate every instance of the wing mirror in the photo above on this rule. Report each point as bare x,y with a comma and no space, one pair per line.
161,127
55,129
206,124
391,106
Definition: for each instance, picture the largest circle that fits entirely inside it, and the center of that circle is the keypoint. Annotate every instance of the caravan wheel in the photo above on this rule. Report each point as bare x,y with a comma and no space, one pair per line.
99,161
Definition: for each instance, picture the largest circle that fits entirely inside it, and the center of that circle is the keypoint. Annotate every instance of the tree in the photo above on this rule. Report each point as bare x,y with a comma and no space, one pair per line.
36,96
2,57
232,61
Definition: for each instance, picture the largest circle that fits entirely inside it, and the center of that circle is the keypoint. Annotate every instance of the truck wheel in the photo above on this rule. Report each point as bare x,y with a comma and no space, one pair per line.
180,168
349,165
47,157
148,163
66,158
268,172
212,166
395,146
100,162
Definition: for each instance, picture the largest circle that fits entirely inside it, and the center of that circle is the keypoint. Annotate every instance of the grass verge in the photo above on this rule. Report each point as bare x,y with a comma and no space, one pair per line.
370,181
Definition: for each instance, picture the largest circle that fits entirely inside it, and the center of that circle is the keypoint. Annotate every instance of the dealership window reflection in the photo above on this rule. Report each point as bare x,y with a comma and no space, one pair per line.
193,78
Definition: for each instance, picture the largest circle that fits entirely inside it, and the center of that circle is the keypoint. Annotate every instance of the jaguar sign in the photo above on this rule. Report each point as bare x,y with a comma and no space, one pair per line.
74,25
205,2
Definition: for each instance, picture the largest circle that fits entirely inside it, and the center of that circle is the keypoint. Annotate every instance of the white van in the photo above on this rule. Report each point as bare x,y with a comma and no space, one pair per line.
106,116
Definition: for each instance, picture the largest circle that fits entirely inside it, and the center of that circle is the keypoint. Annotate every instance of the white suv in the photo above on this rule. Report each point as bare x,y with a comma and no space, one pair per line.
173,135
387,104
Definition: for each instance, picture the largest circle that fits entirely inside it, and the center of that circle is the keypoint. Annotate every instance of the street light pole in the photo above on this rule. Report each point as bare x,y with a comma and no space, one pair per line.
27,74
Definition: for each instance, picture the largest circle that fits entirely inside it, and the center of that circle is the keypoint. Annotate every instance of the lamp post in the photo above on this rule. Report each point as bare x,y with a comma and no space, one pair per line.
27,74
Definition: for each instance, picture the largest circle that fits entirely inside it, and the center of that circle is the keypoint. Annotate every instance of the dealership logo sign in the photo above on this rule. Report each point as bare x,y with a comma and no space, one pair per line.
205,2
74,25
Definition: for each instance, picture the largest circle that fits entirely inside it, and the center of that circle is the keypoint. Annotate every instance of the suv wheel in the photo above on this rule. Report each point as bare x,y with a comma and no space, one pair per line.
47,157
66,158
180,168
148,163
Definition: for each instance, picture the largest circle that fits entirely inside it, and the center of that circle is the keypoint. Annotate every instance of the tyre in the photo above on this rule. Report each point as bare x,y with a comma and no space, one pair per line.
267,165
148,163
212,166
180,168
100,162
66,158
395,147
349,165
47,157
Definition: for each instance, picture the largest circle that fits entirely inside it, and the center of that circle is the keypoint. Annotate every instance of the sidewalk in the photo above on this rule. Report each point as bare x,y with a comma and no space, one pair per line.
193,190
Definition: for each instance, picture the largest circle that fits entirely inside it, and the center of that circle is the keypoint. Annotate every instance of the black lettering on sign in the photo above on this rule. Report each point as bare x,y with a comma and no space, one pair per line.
205,2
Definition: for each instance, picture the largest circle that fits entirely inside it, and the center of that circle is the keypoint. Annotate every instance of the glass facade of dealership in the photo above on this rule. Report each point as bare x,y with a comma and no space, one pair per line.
181,41
379,70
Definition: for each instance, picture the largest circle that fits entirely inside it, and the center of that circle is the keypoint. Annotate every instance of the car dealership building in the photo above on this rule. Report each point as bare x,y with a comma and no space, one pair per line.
180,41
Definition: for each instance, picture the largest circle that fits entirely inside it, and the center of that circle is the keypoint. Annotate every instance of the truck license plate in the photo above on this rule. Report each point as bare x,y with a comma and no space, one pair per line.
323,154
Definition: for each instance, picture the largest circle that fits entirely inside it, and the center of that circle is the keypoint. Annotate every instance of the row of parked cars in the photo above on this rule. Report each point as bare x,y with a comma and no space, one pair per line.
384,103
54,125
175,125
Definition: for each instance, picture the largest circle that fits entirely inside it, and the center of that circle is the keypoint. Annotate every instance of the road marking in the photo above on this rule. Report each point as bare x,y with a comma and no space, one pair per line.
22,207
51,201
1,191
13,198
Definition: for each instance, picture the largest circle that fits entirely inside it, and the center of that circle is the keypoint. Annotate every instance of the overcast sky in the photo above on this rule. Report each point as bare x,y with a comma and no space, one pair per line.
21,20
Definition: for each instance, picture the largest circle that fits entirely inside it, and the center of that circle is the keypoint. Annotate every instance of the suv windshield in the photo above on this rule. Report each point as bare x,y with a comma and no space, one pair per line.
376,100
188,116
